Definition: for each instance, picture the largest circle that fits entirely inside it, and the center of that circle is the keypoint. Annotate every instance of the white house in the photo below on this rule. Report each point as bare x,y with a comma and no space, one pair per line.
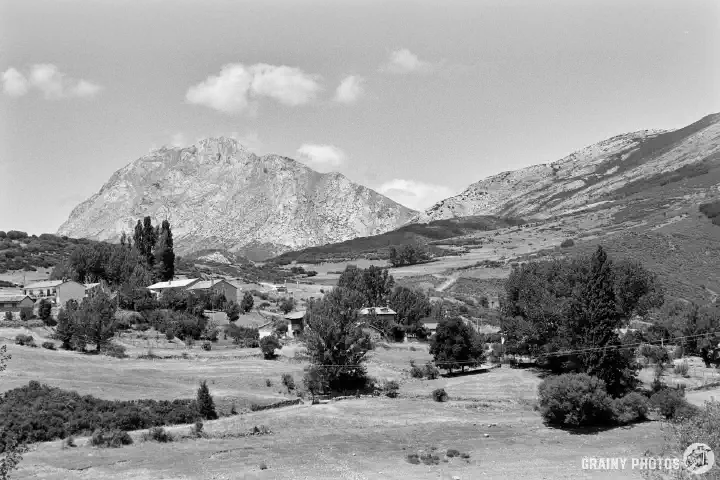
59,291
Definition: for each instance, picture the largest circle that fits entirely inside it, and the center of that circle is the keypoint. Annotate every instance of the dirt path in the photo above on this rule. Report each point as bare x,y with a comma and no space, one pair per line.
447,284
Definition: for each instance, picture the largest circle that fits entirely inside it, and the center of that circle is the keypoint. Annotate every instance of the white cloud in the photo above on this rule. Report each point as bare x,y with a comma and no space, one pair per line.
236,87
350,89
414,194
321,157
403,61
14,83
226,92
50,81
288,85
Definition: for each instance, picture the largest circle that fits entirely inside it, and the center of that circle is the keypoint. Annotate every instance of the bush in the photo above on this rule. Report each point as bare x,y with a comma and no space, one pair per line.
429,459
567,243
113,350
575,399
682,368
25,340
631,408
48,345
26,313
431,371
413,458
206,345
391,388
157,434
288,381
670,402
453,453
268,345
69,442
110,438
439,395
197,429
415,371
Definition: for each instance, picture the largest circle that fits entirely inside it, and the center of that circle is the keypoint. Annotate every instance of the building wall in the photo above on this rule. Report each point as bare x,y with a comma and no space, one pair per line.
230,291
8,306
70,291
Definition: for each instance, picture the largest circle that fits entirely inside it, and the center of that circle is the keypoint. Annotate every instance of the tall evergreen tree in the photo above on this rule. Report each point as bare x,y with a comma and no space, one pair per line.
149,238
595,317
206,406
138,238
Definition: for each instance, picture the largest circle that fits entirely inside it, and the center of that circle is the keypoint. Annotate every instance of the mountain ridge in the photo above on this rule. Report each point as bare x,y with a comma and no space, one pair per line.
217,194
585,176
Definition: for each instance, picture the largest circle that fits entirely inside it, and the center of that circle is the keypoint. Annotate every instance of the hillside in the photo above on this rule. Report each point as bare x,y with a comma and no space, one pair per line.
217,194
377,247
609,170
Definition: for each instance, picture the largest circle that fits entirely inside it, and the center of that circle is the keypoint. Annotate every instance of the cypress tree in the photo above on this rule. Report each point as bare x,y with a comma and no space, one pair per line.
149,239
138,238
164,254
206,406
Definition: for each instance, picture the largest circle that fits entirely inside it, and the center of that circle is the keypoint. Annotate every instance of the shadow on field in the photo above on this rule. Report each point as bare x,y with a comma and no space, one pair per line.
477,371
593,430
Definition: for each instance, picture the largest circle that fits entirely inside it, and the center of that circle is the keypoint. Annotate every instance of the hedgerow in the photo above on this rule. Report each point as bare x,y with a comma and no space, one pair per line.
38,413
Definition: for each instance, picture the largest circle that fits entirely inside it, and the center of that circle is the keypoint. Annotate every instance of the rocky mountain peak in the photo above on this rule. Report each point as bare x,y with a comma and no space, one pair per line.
218,194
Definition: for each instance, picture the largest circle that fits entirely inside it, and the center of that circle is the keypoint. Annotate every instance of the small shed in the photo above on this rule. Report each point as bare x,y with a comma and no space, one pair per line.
297,322
216,286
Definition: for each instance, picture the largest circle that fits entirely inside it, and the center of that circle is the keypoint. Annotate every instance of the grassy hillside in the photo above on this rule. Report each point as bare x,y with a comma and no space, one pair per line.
18,251
377,247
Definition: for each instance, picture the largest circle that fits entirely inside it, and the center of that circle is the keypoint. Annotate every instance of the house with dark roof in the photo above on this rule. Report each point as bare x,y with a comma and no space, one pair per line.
13,303
215,286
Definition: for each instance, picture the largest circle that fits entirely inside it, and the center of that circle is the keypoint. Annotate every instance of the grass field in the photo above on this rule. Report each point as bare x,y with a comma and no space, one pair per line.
489,416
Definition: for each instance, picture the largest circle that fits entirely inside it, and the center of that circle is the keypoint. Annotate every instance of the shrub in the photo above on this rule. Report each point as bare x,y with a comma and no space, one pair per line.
391,388
262,466
413,458
157,434
439,395
113,350
8,316
69,442
26,313
268,382
453,453
567,243
575,399
268,345
682,368
288,381
206,345
631,408
110,438
669,402
197,429
415,371
431,371
48,345
430,459
25,340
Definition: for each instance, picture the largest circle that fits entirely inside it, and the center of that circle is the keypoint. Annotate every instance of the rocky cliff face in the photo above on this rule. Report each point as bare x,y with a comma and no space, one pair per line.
216,194
594,174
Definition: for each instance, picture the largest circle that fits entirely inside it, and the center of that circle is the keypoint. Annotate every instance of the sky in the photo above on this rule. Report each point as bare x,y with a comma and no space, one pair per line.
415,99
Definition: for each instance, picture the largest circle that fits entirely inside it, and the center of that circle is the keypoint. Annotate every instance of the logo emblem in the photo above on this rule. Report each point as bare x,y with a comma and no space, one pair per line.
698,458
